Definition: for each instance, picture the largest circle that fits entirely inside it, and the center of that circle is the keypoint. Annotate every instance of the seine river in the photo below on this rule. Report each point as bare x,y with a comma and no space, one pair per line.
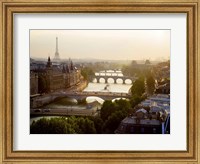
92,87
110,86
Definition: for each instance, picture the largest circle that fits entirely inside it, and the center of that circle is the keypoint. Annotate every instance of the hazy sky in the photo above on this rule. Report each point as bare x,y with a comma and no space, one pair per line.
101,44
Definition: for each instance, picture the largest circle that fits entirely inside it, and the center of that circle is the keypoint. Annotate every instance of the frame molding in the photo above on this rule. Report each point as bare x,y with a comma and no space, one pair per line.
9,7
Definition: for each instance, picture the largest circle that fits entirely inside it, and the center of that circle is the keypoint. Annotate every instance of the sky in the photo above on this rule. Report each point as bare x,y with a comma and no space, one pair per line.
101,44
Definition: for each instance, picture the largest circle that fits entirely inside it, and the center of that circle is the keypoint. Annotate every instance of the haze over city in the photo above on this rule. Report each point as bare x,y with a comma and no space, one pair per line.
101,44
100,82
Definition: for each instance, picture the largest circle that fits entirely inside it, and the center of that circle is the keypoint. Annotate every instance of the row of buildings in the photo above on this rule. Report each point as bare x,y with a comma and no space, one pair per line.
152,116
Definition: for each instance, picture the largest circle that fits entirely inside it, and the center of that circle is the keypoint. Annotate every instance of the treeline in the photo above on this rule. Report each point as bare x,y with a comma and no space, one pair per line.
111,114
63,125
87,73
135,69
145,74
144,85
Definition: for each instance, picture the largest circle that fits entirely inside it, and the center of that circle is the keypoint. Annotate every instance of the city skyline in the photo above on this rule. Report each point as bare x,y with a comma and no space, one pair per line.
101,44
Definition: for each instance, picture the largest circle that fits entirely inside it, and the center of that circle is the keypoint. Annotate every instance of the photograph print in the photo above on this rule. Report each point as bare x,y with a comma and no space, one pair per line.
100,81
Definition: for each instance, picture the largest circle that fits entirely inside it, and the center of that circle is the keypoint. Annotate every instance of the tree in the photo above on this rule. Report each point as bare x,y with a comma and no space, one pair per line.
131,70
147,62
113,121
112,114
86,126
135,100
107,109
98,123
138,87
134,62
70,125
123,105
87,73
50,126
150,81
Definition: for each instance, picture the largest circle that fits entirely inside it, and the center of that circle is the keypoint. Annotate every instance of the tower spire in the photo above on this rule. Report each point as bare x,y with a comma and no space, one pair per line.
57,44
56,58
49,64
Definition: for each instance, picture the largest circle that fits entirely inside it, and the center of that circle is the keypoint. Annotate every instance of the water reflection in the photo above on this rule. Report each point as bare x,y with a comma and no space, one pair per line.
62,103
118,87
111,80
113,100
119,81
92,99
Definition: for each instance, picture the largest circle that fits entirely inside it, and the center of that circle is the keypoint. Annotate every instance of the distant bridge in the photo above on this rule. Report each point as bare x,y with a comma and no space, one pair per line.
114,77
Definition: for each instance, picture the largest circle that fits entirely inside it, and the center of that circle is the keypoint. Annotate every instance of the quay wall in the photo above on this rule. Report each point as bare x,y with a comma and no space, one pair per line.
51,97
82,86
43,100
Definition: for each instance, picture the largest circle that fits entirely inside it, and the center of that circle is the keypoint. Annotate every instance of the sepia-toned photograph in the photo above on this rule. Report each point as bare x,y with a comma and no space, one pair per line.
100,81
95,81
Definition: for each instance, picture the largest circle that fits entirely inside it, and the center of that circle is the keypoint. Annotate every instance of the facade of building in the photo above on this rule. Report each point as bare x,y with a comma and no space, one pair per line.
133,125
33,83
54,77
163,87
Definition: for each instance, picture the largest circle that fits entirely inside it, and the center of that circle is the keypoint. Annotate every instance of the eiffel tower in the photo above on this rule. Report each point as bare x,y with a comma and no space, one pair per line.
56,58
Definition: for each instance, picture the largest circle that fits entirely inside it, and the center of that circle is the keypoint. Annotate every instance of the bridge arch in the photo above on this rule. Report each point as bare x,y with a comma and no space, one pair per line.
69,100
110,80
128,81
99,79
91,99
84,95
118,80
94,80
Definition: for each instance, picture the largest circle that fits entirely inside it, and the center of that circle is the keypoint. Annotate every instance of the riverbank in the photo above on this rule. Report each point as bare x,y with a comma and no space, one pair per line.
78,87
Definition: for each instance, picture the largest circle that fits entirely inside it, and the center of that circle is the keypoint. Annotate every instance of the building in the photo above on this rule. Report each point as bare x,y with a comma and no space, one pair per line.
54,75
163,88
152,117
72,75
54,78
33,83
133,125
144,123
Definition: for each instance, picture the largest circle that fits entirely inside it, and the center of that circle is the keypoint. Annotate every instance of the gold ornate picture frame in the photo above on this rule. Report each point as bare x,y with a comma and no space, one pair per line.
10,7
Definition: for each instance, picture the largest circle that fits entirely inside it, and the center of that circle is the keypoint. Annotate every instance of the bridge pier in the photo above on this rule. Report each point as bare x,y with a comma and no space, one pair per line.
124,81
106,80
115,81
97,80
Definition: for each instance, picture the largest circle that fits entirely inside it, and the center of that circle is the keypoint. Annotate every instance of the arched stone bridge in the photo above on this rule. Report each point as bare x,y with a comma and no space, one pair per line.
103,95
115,78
